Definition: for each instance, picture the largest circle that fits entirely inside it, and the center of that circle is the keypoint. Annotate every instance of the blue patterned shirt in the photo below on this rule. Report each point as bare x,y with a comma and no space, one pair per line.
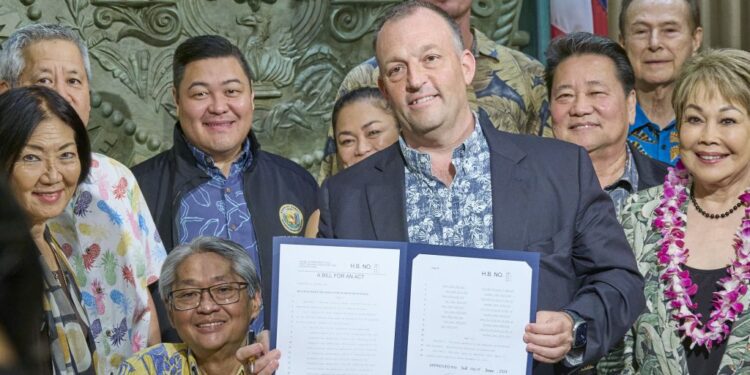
627,183
651,140
218,208
455,215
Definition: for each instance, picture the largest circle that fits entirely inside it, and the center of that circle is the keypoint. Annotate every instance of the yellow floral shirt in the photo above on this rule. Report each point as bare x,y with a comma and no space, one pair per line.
165,358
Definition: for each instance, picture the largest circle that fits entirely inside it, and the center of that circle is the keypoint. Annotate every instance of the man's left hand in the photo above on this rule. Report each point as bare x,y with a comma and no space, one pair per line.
551,337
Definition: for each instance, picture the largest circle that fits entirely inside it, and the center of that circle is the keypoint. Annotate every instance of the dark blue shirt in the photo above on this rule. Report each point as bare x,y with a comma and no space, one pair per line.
218,208
651,140
627,183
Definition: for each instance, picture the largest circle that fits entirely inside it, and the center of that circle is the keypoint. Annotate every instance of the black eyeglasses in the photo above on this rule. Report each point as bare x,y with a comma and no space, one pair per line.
190,298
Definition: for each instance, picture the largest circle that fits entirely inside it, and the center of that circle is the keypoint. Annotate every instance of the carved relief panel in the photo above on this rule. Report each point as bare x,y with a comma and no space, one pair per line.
298,50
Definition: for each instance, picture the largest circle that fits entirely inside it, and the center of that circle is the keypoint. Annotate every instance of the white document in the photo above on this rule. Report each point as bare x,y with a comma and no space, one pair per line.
338,311
467,316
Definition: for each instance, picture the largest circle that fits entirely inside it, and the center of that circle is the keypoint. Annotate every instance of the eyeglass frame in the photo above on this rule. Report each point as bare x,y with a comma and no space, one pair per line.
240,287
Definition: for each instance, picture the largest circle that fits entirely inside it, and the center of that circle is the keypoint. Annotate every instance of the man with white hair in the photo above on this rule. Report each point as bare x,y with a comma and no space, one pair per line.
658,36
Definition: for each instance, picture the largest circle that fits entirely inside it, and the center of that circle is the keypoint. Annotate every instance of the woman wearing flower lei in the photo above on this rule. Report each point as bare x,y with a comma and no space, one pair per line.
691,236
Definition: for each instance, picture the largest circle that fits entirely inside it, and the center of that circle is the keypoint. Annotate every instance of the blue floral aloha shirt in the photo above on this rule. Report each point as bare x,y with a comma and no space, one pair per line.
455,215
218,208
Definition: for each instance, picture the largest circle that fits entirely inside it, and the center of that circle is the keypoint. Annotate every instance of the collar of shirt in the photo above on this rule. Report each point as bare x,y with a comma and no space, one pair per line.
483,45
642,121
629,178
206,162
195,370
420,163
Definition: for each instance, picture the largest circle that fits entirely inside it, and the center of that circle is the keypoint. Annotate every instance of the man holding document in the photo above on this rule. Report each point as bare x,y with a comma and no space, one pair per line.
434,186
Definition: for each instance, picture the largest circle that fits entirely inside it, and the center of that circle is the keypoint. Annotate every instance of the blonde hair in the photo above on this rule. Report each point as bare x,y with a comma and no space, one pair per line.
722,71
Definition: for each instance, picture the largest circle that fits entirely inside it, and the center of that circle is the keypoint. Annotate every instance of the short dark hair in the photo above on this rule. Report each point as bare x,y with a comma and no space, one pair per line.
694,20
205,47
408,8
21,111
583,43
369,94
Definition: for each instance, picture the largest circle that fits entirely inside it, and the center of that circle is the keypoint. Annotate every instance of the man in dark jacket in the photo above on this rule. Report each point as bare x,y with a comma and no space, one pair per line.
592,101
215,180
453,179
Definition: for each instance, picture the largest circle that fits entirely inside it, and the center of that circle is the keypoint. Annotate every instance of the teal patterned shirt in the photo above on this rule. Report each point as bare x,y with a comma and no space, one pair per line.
455,215
653,141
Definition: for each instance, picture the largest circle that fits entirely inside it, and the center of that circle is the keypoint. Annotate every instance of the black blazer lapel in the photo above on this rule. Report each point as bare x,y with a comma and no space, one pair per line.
651,172
385,198
510,189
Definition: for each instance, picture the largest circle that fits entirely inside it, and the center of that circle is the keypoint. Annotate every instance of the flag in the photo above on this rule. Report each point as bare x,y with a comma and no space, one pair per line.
568,16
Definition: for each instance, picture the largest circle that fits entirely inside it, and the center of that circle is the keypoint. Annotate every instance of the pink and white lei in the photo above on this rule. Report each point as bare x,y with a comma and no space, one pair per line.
670,221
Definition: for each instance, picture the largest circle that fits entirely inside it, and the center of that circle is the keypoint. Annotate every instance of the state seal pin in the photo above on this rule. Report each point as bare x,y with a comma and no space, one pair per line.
291,218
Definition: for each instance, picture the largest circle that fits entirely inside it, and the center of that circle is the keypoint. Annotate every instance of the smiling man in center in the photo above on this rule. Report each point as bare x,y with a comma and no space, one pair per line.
454,180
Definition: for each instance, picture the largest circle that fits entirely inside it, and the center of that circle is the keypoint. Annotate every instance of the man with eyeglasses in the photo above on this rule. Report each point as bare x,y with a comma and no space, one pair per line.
212,292
221,294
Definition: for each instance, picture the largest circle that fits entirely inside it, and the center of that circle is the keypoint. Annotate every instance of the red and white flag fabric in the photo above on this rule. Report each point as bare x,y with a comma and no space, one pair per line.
569,16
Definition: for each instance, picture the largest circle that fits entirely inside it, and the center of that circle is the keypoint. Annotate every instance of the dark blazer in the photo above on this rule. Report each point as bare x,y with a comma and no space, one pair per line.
651,172
546,198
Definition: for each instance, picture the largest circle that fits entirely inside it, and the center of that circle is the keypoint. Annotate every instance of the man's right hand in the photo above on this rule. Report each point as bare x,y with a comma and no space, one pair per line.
257,359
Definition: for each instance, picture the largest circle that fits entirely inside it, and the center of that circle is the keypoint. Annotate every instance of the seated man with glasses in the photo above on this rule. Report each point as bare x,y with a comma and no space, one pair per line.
212,292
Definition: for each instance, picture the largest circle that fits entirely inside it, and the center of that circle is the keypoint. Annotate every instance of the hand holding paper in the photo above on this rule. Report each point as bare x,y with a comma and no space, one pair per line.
550,338
371,308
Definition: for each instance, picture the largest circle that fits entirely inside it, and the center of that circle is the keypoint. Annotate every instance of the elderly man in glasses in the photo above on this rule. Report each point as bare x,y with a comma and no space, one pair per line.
212,293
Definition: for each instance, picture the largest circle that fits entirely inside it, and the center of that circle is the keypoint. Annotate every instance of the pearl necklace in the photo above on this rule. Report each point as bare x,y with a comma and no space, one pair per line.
708,215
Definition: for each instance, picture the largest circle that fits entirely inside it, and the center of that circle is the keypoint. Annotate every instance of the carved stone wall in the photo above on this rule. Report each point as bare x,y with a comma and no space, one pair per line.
299,51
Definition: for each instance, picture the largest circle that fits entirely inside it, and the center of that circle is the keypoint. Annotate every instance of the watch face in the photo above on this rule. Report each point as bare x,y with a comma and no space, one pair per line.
580,335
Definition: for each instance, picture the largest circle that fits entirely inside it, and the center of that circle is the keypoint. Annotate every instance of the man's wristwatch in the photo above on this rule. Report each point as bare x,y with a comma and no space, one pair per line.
580,328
